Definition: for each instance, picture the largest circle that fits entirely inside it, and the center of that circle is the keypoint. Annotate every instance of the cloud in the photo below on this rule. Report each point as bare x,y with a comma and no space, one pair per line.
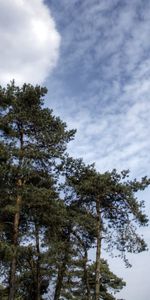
102,88
101,84
30,42
103,81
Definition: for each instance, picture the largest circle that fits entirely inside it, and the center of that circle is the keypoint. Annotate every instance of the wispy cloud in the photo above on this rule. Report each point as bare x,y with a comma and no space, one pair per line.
102,84
30,43
102,81
101,87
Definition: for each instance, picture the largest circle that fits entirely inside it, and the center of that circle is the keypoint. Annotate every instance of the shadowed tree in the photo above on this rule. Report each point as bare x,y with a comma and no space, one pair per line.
35,140
54,208
110,197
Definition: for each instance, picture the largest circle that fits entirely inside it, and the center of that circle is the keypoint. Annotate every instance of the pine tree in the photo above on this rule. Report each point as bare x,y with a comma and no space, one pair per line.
35,141
54,209
110,197
75,275
110,283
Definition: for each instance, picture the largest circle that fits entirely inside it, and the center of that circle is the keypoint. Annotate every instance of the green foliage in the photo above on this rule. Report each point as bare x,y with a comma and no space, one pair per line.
50,207
110,283
33,144
120,210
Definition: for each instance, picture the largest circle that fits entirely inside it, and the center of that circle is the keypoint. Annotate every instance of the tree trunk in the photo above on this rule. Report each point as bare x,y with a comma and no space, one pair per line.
98,252
12,280
60,277
88,292
38,280
62,269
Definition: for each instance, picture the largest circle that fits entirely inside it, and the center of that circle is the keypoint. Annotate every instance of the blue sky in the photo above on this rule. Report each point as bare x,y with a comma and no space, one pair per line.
94,57
101,82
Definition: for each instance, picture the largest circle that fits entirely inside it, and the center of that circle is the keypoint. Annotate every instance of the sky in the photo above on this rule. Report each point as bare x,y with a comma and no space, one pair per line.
94,58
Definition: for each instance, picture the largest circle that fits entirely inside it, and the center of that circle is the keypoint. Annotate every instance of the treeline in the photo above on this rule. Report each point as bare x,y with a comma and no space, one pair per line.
54,208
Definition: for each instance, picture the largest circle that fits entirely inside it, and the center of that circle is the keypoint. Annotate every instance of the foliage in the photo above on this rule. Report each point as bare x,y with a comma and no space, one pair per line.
54,208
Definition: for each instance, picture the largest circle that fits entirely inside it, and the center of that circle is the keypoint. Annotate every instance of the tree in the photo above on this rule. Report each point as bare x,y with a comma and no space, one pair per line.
75,275
54,209
110,283
110,197
75,230
35,141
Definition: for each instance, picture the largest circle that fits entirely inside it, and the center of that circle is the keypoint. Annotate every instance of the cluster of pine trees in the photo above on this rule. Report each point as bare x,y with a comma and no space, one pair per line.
54,208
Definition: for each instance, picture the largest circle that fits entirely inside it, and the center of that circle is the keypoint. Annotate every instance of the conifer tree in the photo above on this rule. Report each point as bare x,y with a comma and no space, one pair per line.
110,283
75,275
74,285
54,209
35,140
110,197
76,228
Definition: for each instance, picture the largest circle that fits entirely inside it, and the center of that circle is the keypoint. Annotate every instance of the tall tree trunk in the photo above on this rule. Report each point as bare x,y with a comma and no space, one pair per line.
12,280
38,280
13,267
88,292
86,279
61,273
98,251
62,269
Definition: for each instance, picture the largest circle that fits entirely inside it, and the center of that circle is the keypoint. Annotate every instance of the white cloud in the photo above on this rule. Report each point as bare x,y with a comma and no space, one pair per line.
30,42
109,45
106,54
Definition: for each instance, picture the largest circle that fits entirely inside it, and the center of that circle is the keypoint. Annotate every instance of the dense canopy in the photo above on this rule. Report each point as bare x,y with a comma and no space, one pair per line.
54,208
